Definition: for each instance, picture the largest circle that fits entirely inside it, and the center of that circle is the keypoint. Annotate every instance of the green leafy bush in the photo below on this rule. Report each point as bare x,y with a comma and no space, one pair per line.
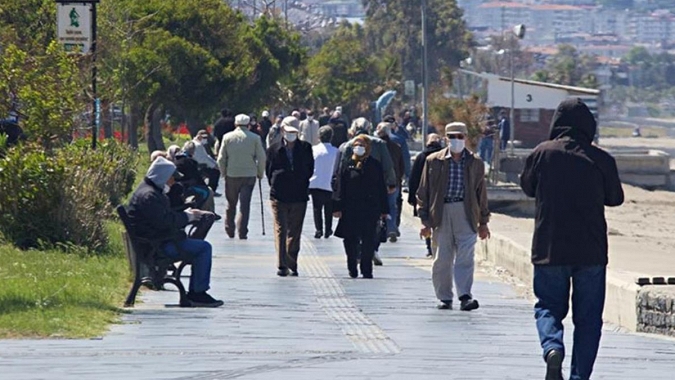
63,197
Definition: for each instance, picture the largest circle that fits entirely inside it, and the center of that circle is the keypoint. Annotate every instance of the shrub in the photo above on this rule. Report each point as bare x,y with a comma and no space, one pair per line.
63,197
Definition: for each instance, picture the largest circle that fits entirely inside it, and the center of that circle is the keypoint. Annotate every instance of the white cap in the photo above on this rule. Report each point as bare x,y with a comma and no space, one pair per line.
242,119
290,124
266,114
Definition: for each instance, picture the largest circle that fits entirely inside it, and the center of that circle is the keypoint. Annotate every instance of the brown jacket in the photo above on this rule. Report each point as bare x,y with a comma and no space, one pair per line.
434,184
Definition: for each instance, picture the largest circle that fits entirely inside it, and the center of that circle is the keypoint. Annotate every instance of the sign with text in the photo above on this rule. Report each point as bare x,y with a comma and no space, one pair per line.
74,27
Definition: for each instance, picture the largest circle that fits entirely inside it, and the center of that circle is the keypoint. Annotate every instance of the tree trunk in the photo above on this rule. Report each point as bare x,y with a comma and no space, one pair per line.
132,125
153,128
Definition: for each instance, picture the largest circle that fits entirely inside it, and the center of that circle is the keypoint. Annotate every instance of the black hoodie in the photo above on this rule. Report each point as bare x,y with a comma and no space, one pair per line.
572,181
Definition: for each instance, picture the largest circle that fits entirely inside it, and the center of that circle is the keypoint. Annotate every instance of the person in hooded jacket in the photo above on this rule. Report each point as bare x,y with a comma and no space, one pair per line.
151,217
572,181
359,200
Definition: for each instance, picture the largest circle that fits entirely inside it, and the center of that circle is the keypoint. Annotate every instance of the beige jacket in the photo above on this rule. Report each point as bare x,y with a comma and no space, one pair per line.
242,154
434,186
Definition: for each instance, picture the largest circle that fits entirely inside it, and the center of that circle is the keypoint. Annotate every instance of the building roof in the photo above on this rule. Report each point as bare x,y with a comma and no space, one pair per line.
574,89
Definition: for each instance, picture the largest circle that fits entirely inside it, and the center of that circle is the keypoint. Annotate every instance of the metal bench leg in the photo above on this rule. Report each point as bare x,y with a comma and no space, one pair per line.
177,274
181,289
131,298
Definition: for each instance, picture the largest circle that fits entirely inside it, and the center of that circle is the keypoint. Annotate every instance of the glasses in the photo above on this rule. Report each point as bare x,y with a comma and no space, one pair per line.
455,137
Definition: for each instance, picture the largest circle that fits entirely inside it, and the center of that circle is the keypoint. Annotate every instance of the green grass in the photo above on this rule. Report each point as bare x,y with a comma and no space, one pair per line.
57,294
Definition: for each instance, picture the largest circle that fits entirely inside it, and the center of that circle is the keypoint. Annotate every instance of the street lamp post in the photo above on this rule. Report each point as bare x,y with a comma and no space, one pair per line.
518,31
425,74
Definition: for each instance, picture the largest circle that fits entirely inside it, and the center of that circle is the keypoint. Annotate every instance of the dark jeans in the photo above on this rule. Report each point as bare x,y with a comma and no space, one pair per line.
322,203
364,243
238,189
213,175
288,219
486,149
198,252
552,289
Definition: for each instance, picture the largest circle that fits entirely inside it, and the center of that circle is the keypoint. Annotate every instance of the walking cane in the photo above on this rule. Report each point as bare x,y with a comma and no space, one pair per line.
262,209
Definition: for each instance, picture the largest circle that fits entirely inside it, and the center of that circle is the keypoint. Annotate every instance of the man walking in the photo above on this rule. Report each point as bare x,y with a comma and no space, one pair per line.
309,129
452,200
223,125
242,159
320,185
290,165
572,181
384,132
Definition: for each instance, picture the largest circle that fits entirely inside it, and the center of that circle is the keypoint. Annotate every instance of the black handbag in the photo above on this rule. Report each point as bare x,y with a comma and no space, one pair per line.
382,230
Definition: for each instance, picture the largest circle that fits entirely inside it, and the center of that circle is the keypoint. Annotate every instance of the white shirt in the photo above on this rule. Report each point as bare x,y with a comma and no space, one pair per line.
309,131
202,157
325,162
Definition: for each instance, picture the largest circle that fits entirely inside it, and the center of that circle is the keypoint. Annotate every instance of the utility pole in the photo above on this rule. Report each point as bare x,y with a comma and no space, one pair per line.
519,32
425,73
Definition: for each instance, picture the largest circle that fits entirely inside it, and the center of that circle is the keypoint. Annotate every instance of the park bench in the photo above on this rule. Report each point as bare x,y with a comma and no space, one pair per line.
150,266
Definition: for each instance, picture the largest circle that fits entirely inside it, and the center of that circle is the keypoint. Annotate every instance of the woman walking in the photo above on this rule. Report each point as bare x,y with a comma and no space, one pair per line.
359,201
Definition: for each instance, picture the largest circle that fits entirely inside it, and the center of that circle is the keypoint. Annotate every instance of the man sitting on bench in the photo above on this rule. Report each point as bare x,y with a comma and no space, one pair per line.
152,218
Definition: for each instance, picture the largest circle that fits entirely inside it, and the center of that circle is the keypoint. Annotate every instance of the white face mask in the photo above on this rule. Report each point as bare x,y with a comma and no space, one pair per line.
204,142
443,143
290,136
310,118
359,150
456,145
167,188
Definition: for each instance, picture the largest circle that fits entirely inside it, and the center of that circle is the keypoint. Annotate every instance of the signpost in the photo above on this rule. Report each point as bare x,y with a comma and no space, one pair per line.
76,21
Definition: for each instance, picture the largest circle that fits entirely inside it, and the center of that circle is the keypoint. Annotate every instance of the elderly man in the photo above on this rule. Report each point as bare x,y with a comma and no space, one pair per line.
193,181
242,159
290,165
309,129
339,126
208,165
151,217
274,135
320,185
452,200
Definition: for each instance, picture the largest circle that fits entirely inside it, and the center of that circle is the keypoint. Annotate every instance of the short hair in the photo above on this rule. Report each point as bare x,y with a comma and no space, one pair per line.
202,132
189,148
325,134
225,112
310,113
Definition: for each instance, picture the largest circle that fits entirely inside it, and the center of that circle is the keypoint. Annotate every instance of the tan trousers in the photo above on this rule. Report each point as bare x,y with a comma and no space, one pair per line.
455,257
288,220
238,189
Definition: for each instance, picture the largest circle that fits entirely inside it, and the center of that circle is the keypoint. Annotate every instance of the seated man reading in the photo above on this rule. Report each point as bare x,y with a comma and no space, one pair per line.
152,218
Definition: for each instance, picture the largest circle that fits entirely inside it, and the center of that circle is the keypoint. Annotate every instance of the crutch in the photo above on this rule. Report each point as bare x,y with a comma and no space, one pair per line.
262,209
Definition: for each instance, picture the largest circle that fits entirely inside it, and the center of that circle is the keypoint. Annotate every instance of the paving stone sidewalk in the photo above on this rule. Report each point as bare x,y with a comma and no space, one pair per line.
322,325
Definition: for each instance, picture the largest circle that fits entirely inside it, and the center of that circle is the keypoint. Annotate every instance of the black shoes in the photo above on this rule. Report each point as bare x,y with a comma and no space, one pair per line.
393,237
294,273
445,305
217,194
353,273
283,272
202,299
369,275
376,259
328,234
467,303
318,235
242,237
554,360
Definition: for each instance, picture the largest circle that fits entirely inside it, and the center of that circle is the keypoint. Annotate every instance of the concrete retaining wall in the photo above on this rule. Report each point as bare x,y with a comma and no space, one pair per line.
620,305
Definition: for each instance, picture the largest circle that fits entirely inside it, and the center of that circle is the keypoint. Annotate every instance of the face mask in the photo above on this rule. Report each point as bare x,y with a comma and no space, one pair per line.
290,137
310,118
456,145
359,150
204,142
167,188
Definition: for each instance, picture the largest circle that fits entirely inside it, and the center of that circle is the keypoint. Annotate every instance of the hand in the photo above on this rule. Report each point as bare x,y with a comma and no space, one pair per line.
384,216
483,232
412,203
337,214
391,189
425,232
